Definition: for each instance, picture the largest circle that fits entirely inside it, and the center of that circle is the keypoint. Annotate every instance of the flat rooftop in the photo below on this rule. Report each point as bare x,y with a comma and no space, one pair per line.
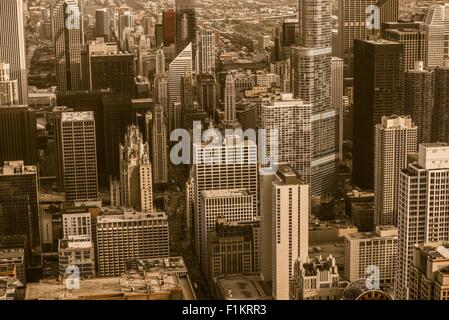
77,116
224,193
243,287
158,284
16,168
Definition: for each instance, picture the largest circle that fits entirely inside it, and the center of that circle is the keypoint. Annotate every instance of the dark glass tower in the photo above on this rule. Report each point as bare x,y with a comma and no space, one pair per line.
18,134
378,81
185,24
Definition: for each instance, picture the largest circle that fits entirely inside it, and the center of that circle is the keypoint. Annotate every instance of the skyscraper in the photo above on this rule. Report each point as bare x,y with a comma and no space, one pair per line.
419,99
169,27
206,93
124,235
395,138
181,65
18,136
311,76
337,99
232,165
206,51
290,227
352,24
67,41
378,81
160,62
414,42
9,94
102,23
12,44
422,208
291,118
440,125
230,117
185,24
436,27
79,156
136,177
19,203
233,205
157,127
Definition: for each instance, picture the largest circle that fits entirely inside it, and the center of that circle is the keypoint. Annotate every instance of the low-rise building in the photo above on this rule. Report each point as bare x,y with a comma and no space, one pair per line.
368,252
76,254
429,272
317,279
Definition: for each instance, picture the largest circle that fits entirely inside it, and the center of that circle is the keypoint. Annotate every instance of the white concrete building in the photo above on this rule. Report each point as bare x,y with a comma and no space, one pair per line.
9,94
378,249
124,235
395,138
290,227
423,214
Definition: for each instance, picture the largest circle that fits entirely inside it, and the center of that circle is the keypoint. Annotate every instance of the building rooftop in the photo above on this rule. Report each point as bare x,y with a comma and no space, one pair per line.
435,251
77,116
383,231
243,287
16,168
225,193
155,279
118,214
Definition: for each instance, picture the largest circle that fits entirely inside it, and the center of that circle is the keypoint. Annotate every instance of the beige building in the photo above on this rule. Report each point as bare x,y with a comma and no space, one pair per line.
365,249
77,254
124,234
429,272
231,205
233,247
317,279
136,180
289,235
395,137
422,213
9,94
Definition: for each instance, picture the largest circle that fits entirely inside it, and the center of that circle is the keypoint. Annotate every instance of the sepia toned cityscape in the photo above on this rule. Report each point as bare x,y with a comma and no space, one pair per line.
233,150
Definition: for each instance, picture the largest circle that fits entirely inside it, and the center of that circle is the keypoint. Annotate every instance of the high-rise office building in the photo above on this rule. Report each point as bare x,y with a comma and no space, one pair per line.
19,203
290,225
422,213
352,25
161,93
12,44
365,249
440,121
136,177
67,41
291,118
436,26
124,235
395,137
206,51
337,99
160,62
187,100
102,23
18,136
230,116
181,65
419,99
79,156
9,94
378,81
311,76
429,272
157,129
232,165
111,71
233,205
169,25
233,247
206,93
185,24
414,44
